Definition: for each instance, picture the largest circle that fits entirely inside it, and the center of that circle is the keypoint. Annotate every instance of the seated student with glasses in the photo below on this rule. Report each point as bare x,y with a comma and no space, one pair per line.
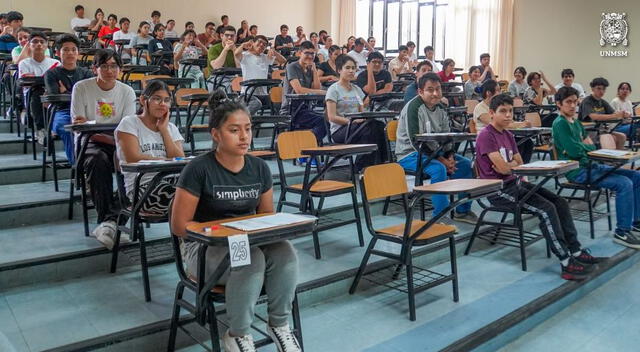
595,108
518,86
255,61
198,198
343,97
103,99
535,93
61,80
150,136
375,79
302,77
327,70
111,28
426,114
209,36
412,89
36,66
142,38
283,41
161,44
221,54
23,50
497,155
190,47
573,143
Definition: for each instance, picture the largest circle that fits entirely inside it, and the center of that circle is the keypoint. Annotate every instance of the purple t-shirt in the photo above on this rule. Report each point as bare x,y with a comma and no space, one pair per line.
489,140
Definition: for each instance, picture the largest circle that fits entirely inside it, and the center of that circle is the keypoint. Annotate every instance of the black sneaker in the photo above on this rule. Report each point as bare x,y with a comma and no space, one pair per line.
627,238
585,257
576,270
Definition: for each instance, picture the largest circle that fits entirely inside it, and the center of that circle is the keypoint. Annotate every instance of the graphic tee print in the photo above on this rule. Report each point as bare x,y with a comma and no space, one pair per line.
105,109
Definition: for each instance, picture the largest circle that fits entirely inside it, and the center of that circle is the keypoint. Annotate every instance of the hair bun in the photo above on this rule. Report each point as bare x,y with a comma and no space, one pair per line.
216,98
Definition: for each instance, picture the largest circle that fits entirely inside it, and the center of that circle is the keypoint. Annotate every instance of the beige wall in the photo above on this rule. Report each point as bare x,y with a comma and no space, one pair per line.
268,15
554,34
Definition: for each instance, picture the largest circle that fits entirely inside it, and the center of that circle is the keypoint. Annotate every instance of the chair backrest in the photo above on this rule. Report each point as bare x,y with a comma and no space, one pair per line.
392,129
277,74
517,103
188,91
148,78
275,94
235,84
534,118
290,143
607,141
473,128
384,180
470,104
504,85
465,76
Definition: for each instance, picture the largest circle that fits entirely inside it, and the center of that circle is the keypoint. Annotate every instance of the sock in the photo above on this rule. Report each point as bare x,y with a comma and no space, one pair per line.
577,254
564,262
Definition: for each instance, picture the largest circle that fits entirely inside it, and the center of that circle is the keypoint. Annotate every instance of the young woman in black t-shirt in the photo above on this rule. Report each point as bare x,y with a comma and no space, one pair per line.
224,183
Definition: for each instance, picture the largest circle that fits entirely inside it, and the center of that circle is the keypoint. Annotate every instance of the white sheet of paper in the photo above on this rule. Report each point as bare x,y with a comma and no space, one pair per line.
239,250
545,163
269,221
612,152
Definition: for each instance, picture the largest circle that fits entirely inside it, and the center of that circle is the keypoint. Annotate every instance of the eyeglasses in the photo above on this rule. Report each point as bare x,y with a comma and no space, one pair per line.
309,53
376,62
229,35
112,67
159,100
37,41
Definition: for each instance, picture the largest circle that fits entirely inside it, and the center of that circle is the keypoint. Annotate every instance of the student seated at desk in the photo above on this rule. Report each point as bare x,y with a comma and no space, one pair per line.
301,77
327,70
486,72
103,99
472,85
535,94
446,74
518,86
190,47
161,44
142,38
482,117
568,77
36,66
125,34
60,80
401,64
343,97
111,28
426,114
375,79
497,155
595,108
150,136
412,89
572,143
23,51
221,54
622,102
208,190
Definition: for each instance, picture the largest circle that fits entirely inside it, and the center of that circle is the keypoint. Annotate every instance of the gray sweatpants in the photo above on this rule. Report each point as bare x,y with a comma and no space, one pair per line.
275,266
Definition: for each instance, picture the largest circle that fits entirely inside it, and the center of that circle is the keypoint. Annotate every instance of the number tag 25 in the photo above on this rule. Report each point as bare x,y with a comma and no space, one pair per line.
239,250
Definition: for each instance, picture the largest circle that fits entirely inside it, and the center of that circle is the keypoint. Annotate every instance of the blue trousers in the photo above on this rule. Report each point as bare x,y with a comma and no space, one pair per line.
438,173
626,184
626,129
62,117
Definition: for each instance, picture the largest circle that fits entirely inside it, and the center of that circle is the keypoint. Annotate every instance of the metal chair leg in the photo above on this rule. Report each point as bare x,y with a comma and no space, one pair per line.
175,317
411,289
454,268
363,265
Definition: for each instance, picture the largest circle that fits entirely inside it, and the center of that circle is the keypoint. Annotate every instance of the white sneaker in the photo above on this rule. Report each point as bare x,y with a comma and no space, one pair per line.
105,233
238,344
284,339
40,136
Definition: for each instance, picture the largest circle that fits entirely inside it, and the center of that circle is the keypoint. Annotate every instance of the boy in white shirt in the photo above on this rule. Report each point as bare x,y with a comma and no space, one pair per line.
79,20
125,33
36,66
568,81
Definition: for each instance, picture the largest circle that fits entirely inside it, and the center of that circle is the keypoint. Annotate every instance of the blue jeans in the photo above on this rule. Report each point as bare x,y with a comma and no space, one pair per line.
62,117
438,173
626,184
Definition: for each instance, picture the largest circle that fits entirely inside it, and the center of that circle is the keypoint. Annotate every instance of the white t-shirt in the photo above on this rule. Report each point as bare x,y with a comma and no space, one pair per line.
102,106
119,35
80,22
481,108
361,57
577,87
150,142
255,67
29,65
618,105
171,34
436,66
347,101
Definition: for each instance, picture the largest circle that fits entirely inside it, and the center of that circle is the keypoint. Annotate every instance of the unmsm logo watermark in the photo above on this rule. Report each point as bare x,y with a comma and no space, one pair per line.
613,31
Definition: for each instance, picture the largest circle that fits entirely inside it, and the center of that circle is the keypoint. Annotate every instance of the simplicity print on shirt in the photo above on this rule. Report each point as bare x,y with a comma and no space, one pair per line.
236,193
105,109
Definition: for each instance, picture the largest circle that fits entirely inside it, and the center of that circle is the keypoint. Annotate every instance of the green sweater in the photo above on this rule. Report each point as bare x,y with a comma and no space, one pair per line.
416,118
215,51
568,140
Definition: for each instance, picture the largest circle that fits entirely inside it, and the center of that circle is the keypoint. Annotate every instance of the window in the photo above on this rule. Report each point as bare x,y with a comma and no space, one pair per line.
395,22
